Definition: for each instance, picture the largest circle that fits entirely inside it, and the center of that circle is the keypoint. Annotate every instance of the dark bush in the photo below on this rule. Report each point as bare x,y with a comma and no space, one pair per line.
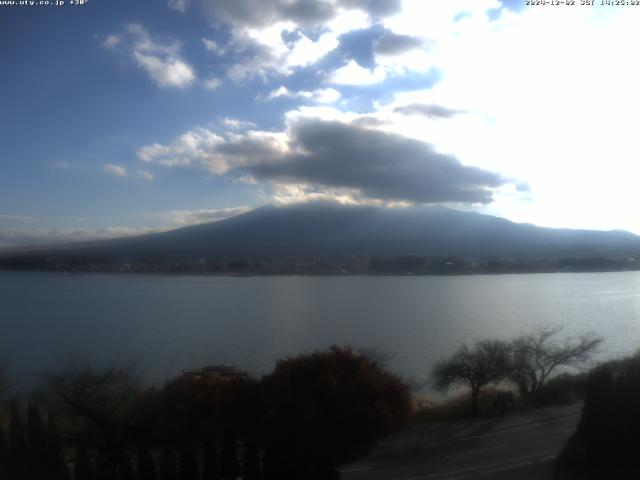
605,443
146,466
190,410
328,408
561,390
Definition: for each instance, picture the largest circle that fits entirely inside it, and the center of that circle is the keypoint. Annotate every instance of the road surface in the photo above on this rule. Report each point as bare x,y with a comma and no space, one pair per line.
520,445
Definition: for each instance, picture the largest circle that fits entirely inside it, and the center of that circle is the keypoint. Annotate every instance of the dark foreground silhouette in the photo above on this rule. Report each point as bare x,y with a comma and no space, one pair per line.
312,414
605,445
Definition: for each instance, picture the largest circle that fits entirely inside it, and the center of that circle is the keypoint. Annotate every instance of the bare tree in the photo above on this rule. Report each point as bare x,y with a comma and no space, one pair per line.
487,362
97,400
537,356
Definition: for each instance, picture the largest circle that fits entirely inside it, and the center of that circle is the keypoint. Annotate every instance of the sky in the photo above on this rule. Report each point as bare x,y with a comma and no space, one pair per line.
120,117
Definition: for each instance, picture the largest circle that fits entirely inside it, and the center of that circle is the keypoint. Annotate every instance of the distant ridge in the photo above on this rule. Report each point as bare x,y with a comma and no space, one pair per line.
325,229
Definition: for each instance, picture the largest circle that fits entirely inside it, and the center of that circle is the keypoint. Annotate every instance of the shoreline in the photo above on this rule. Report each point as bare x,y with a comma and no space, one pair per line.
306,274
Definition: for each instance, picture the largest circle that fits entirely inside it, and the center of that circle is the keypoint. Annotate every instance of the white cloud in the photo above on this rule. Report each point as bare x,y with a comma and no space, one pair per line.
218,154
146,175
322,112
212,83
291,193
12,237
325,153
236,124
270,37
212,46
181,218
4,217
261,50
63,165
178,5
168,72
117,170
15,237
112,41
321,95
161,61
149,152
436,21
246,180
282,92
193,147
565,126
354,74
307,52
563,120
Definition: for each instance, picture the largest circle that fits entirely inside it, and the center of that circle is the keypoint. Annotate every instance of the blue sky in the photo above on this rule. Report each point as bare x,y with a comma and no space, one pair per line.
123,117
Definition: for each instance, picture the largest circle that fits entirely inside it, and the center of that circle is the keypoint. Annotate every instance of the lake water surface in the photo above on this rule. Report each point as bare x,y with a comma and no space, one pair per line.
167,323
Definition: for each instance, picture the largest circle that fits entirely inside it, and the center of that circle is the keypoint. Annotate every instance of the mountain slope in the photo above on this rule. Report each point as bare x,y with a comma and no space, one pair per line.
320,229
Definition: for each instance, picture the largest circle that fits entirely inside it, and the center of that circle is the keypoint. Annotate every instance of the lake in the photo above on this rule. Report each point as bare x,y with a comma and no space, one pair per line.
168,323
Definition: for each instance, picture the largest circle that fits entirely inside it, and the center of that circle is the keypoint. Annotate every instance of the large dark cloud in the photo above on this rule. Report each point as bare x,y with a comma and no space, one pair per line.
379,165
307,13
246,147
428,110
394,44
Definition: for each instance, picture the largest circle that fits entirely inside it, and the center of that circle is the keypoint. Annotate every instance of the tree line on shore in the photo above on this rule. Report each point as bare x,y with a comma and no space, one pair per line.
318,265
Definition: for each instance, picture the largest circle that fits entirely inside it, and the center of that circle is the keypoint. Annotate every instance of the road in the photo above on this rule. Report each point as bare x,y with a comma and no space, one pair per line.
520,445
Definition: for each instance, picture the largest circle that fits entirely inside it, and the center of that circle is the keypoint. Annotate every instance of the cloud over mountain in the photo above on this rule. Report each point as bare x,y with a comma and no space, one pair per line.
334,157
378,165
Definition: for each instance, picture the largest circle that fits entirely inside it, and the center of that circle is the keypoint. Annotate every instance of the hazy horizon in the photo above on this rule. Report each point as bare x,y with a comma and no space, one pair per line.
53,237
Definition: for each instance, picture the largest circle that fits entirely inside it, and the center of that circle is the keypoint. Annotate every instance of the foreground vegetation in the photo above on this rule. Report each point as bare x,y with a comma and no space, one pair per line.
528,362
605,445
312,414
